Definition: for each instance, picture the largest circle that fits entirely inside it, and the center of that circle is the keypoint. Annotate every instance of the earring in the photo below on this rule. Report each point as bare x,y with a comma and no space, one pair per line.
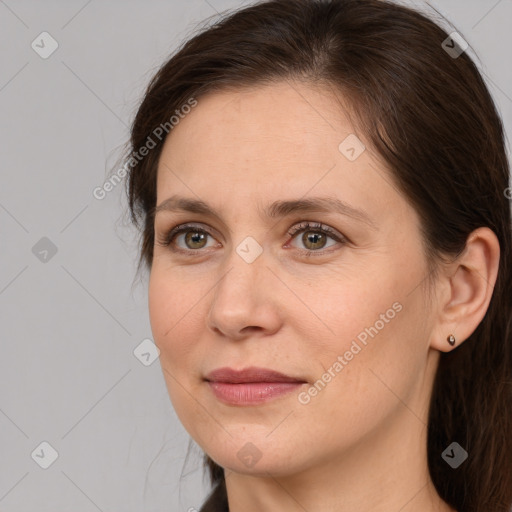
451,340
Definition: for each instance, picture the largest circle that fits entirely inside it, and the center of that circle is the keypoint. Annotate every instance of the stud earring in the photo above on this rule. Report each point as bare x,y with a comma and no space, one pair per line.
451,340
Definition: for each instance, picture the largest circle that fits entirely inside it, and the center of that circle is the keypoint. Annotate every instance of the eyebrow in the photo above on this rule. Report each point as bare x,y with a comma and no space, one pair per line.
277,209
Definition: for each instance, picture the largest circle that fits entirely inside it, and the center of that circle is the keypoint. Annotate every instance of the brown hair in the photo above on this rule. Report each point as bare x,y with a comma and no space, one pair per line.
430,117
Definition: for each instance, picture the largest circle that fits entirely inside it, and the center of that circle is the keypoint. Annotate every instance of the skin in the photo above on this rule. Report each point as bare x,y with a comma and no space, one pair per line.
360,443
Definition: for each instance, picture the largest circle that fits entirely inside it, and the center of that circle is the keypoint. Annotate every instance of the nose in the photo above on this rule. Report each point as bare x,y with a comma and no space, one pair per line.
244,301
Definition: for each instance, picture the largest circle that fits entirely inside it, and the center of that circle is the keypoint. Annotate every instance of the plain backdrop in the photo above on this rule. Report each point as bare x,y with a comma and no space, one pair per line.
70,318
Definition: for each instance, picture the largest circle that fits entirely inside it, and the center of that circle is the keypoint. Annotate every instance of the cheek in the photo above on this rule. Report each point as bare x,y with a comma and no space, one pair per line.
176,314
170,300
161,311
166,308
173,317
347,307
372,323
374,363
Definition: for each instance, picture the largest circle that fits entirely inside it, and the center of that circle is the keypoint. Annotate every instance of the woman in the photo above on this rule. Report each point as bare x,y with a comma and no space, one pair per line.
321,188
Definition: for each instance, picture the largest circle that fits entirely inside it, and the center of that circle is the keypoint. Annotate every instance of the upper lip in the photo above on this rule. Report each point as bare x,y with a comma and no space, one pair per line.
251,374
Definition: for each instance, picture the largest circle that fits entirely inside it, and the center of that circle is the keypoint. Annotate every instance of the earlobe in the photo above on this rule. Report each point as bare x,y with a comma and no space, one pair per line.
470,282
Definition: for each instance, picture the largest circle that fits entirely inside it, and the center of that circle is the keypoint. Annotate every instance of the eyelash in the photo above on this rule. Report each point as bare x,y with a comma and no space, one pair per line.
168,237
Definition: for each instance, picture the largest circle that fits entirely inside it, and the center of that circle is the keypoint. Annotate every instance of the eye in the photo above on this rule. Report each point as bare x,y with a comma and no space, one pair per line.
195,238
314,237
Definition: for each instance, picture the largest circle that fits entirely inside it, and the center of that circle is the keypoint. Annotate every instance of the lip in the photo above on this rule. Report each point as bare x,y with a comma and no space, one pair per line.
250,386
249,375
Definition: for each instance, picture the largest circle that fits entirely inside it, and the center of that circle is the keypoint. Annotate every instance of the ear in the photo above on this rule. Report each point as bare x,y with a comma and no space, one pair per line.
465,289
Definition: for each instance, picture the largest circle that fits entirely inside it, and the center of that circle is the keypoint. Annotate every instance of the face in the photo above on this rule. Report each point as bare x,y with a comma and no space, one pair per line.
337,305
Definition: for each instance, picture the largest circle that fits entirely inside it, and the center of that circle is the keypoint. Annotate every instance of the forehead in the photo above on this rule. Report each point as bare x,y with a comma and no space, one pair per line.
283,122
274,141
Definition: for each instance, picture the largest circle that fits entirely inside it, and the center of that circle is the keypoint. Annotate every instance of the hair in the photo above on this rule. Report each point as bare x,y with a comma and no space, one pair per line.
430,117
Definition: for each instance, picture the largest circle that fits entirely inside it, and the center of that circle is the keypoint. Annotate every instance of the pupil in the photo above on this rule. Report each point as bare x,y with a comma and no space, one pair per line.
314,239
196,237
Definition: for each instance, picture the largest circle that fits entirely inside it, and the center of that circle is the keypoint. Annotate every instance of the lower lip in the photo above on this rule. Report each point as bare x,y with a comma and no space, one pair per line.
251,393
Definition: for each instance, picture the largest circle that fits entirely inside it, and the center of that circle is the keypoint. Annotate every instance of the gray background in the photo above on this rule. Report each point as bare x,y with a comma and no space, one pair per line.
69,325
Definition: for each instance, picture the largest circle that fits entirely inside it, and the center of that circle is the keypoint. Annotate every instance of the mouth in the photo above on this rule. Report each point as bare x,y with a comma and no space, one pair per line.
249,375
250,386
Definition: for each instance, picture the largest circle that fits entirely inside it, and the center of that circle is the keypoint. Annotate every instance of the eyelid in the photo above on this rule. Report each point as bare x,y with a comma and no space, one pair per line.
315,226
